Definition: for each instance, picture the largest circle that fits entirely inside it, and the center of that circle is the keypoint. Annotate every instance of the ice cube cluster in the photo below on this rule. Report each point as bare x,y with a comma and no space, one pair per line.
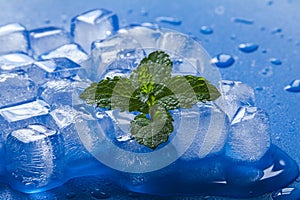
48,135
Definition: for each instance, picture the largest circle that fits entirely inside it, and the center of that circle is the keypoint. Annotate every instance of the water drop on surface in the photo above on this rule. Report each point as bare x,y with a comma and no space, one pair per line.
242,21
294,86
275,61
98,194
206,30
169,20
248,47
223,60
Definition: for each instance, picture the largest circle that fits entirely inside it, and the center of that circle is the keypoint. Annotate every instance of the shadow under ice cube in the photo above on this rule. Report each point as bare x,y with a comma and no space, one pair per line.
13,38
93,25
45,39
34,157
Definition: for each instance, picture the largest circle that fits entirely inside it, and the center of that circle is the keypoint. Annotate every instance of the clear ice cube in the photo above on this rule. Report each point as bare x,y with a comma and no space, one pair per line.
61,92
249,135
35,158
43,40
146,34
16,88
207,126
69,121
15,62
118,52
92,25
21,115
71,51
53,69
234,95
13,38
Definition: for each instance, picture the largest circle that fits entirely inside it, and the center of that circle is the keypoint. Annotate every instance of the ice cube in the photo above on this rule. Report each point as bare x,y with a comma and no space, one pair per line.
13,38
92,25
71,51
178,44
234,95
61,92
21,115
53,69
15,62
118,52
43,40
16,88
208,127
146,34
35,158
249,135
69,121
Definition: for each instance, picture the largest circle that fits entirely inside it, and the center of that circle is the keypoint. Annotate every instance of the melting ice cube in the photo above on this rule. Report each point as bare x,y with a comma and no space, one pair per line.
249,136
13,38
34,157
92,25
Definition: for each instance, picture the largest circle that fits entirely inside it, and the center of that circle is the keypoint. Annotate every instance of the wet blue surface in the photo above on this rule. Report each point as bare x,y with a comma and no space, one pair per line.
270,24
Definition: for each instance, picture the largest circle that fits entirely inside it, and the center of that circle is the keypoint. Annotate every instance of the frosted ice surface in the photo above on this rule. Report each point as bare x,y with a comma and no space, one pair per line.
34,157
13,38
43,40
234,95
249,136
53,69
121,51
92,25
16,83
71,51
210,125
15,62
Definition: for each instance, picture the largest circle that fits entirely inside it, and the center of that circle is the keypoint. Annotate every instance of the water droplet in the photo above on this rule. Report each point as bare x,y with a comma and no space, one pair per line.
242,20
294,86
287,193
276,30
169,20
248,47
264,51
70,195
98,194
206,30
223,60
144,12
275,61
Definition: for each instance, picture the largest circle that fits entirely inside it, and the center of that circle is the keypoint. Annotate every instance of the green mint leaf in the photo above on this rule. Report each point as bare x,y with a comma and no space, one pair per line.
154,69
152,91
154,131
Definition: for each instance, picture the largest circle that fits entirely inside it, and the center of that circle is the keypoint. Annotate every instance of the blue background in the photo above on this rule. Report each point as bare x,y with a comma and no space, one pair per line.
275,28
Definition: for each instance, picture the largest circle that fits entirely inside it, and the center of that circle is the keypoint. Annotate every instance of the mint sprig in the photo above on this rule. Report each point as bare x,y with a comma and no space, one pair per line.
152,91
